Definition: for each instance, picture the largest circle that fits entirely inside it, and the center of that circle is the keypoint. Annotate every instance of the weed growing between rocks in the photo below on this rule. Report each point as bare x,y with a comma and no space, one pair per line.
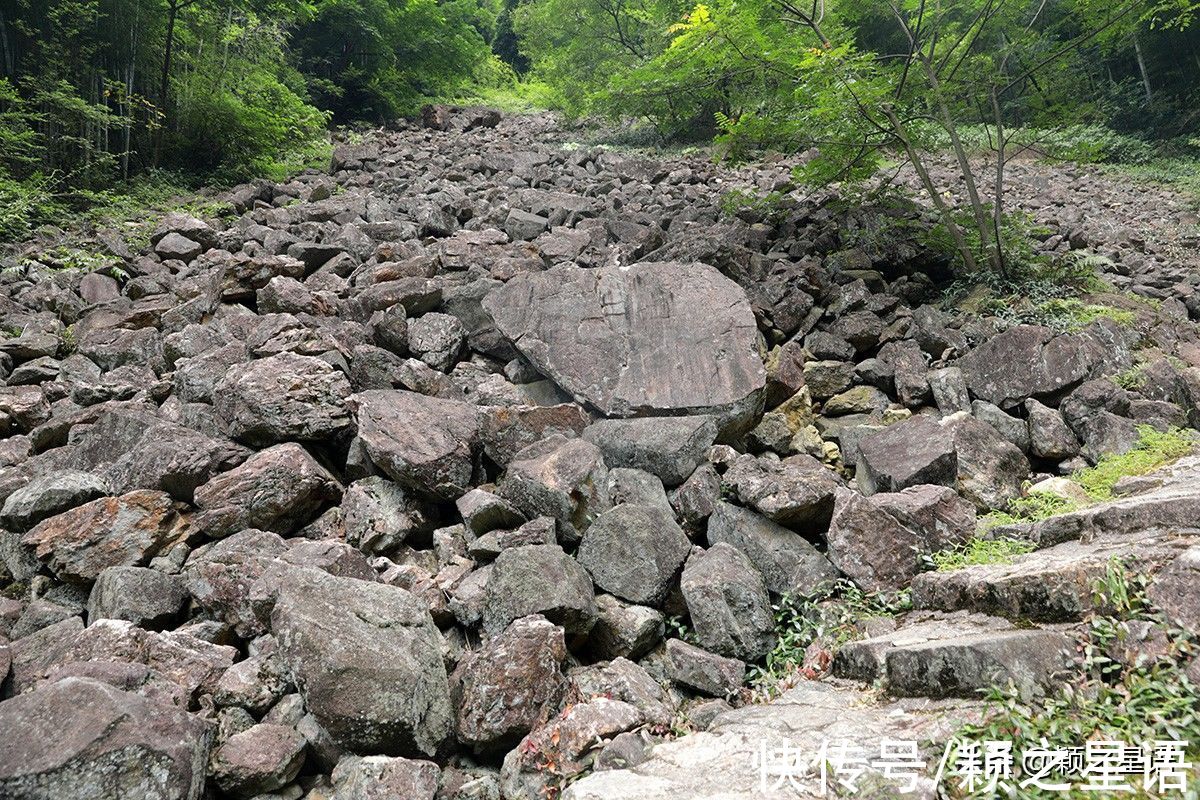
1154,449
980,551
1135,688
808,630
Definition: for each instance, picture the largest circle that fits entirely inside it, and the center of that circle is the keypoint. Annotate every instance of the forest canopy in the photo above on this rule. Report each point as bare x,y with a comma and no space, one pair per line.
95,93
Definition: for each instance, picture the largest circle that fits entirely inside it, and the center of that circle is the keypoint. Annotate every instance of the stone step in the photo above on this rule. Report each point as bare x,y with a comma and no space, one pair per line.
1056,584
960,655
725,762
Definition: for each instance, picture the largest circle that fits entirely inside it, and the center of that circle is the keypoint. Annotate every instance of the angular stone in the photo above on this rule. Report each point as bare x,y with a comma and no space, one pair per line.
278,489
259,760
788,563
146,597
859,400
627,339
507,430
285,397
949,390
220,577
128,530
82,739
908,453
1024,361
1013,430
704,672
728,603
437,339
539,579
796,492
567,741
950,659
1049,436
177,667
879,541
825,379
508,686
624,631
48,495
1054,584
669,447
367,659
137,449
425,443
991,471
559,477
634,552
378,515
178,247
482,511
621,679
383,778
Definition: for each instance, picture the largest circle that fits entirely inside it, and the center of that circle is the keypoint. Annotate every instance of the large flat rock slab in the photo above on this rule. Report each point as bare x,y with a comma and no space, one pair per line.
722,762
647,339
1056,584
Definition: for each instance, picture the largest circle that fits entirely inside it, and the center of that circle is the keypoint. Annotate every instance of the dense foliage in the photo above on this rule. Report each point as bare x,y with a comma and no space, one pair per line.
96,92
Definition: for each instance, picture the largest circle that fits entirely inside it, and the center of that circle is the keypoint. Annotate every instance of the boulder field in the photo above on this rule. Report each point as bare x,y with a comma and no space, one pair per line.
472,467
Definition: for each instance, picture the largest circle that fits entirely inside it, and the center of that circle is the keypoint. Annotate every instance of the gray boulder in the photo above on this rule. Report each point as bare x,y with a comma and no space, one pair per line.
915,451
559,477
539,579
634,552
507,687
789,564
796,492
425,443
146,597
129,530
879,541
258,760
728,603
80,739
670,448
48,495
367,659
628,341
286,397
278,489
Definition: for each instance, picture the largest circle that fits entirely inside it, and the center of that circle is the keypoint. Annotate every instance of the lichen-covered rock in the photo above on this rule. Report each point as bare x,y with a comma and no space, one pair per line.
285,397
383,778
367,659
259,760
129,530
146,597
510,685
560,477
627,340
670,448
48,495
539,579
789,563
427,444
634,552
278,489
728,603
82,739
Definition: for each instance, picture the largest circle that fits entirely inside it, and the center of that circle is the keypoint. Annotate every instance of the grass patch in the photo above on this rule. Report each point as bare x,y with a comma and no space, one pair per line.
1152,700
980,551
831,620
1154,449
1069,315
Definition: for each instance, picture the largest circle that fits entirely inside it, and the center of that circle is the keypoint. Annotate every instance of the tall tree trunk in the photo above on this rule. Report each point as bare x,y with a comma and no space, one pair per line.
6,51
944,211
1141,62
164,83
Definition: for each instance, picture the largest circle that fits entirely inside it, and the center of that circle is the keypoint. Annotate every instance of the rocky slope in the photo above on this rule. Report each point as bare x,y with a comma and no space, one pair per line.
389,484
